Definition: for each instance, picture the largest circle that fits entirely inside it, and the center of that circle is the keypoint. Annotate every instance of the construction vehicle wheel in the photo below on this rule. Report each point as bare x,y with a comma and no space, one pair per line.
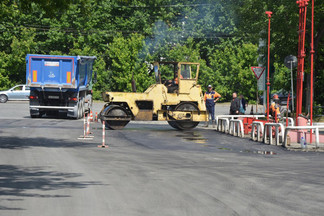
184,125
117,112
173,124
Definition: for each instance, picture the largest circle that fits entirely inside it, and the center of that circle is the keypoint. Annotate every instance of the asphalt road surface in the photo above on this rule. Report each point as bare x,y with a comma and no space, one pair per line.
148,169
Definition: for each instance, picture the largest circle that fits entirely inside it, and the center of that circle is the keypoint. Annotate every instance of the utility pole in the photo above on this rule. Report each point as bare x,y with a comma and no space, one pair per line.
302,4
312,72
268,13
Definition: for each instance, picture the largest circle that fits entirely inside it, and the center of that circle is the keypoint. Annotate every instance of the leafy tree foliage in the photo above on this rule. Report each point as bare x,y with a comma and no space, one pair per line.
125,63
223,35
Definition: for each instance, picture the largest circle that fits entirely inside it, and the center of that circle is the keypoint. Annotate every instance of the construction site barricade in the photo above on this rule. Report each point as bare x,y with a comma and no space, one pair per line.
257,131
223,125
236,127
291,121
237,116
267,131
302,128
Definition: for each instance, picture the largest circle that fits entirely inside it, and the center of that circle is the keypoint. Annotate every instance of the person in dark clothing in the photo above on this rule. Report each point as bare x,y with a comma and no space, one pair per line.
235,105
210,98
243,104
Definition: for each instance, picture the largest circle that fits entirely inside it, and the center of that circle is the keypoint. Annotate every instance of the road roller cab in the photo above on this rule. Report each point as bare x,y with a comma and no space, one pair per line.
176,98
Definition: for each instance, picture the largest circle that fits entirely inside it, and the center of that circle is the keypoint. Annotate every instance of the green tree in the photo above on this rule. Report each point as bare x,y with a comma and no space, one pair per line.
125,61
13,65
126,35
232,64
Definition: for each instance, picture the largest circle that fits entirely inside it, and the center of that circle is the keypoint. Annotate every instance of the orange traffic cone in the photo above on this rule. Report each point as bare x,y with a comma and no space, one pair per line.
91,115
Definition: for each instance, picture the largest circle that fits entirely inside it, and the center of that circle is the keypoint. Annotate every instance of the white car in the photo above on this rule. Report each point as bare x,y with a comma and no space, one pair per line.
19,92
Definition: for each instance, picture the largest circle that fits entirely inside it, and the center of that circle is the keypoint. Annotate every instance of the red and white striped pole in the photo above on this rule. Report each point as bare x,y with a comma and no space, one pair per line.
84,126
312,52
96,117
103,145
268,13
86,129
103,133
88,125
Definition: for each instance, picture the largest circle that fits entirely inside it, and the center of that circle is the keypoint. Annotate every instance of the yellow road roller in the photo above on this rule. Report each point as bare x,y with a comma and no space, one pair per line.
179,100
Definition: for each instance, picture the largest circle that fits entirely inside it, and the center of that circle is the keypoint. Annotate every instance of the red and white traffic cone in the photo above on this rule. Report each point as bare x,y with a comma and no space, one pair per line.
96,119
91,115
103,145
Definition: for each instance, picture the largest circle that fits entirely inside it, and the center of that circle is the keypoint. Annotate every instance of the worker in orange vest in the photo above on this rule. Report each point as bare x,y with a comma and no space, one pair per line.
176,80
210,98
274,109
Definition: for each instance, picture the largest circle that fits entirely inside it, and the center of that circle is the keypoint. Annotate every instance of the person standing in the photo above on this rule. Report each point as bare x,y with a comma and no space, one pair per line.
243,104
210,98
235,105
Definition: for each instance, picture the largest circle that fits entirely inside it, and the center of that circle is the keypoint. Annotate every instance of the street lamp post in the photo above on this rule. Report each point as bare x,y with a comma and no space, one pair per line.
268,13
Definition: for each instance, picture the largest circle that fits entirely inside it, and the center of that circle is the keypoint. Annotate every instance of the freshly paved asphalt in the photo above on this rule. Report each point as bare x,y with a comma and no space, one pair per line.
148,169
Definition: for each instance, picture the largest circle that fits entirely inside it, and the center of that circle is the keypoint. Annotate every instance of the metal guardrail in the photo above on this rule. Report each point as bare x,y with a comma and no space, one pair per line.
236,127
223,125
268,131
318,123
259,129
303,128
291,121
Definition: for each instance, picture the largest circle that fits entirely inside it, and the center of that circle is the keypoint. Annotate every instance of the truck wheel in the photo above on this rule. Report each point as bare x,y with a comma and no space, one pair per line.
3,98
35,116
78,114
81,102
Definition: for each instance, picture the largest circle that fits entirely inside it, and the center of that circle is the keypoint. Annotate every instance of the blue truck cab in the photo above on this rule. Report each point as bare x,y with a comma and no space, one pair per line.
59,84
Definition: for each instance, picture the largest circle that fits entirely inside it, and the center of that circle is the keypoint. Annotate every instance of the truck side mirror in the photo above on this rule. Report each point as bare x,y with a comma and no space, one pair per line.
94,77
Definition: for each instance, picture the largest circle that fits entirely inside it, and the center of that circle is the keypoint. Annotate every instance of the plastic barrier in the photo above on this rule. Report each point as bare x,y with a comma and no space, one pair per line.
237,116
223,125
316,128
236,127
268,131
291,121
259,129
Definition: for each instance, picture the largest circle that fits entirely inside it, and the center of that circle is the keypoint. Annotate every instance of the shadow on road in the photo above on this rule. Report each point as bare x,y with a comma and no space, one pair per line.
25,182
18,143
